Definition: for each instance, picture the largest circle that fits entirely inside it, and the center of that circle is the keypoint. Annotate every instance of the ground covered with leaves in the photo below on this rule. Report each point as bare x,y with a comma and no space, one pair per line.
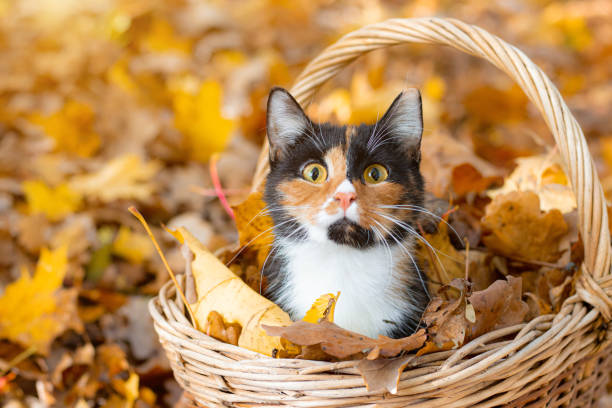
107,104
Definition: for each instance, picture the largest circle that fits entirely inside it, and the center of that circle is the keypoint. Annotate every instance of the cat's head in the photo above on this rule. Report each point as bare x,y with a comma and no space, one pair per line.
353,185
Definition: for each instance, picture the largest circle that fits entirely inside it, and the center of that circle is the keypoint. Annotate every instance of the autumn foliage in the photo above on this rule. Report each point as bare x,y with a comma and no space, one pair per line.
111,104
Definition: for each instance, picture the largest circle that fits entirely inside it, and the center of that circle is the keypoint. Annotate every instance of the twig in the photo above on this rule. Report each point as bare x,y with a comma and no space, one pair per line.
140,218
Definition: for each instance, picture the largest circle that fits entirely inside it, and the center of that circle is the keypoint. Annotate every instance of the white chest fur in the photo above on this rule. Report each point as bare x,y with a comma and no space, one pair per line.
366,278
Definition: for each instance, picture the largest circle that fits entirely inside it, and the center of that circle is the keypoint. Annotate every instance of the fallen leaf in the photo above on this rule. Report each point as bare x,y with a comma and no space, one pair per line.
55,203
498,306
340,343
125,177
466,178
322,308
514,226
216,327
441,154
446,319
544,176
451,323
71,128
35,309
136,247
198,116
383,375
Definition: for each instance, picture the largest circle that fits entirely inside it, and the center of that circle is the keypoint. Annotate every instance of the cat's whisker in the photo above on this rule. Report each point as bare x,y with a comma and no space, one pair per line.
414,233
424,211
373,135
245,246
407,252
410,229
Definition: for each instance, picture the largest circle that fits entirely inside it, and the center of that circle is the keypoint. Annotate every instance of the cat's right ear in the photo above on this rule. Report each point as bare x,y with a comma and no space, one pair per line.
286,121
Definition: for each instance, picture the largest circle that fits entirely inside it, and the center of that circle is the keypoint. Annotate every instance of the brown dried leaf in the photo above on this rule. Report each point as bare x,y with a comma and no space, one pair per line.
226,332
515,227
451,323
498,306
340,343
446,320
383,375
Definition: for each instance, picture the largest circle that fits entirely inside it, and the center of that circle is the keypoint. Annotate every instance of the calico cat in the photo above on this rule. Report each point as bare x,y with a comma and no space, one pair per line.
345,202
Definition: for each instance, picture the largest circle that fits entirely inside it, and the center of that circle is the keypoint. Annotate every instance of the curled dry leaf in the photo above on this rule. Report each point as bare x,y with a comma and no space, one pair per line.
441,154
514,226
341,343
450,324
446,321
542,174
219,289
498,306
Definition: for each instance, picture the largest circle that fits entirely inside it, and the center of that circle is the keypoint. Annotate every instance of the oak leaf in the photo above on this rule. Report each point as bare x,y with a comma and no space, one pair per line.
341,343
514,226
451,323
498,306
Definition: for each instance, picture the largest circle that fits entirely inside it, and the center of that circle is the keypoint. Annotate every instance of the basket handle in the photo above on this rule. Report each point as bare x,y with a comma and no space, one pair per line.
593,286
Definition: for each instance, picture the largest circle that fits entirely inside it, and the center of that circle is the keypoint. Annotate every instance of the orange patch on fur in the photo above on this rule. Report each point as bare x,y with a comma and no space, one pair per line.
369,198
307,199
348,133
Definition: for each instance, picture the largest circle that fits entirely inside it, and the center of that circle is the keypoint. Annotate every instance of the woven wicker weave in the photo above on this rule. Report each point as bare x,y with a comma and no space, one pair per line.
558,360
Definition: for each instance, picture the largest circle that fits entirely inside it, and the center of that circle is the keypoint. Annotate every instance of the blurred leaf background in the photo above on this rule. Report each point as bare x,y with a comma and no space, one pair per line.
106,104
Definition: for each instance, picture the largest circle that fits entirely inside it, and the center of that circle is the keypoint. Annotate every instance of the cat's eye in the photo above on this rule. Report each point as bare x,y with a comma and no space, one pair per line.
375,173
315,173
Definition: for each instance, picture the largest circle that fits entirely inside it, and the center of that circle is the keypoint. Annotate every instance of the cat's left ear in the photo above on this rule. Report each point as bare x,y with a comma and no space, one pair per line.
404,120
286,121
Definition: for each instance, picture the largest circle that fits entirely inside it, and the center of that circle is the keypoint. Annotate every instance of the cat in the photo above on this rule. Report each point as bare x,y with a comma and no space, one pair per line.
345,202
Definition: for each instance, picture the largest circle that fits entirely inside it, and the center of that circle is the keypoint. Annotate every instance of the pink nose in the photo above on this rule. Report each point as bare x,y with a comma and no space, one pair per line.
345,199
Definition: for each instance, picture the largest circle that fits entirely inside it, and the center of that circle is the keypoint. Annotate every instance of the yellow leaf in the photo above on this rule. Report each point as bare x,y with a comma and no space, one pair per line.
55,203
219,289
544,176
161,38
322,308
33,309
125,177
198,116
118,75
133,246
130,391
434,88
254,226
71,128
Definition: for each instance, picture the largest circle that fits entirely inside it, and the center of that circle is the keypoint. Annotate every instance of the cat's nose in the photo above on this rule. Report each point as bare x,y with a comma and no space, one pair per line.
345,199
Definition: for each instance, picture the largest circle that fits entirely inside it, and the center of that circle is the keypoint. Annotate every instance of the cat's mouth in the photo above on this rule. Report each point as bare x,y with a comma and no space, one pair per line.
347,232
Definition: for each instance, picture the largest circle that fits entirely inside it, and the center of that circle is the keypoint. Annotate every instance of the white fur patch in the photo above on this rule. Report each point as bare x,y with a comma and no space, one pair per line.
366,279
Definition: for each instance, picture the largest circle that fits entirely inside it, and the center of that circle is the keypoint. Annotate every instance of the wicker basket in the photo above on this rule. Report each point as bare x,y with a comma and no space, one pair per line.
551,361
